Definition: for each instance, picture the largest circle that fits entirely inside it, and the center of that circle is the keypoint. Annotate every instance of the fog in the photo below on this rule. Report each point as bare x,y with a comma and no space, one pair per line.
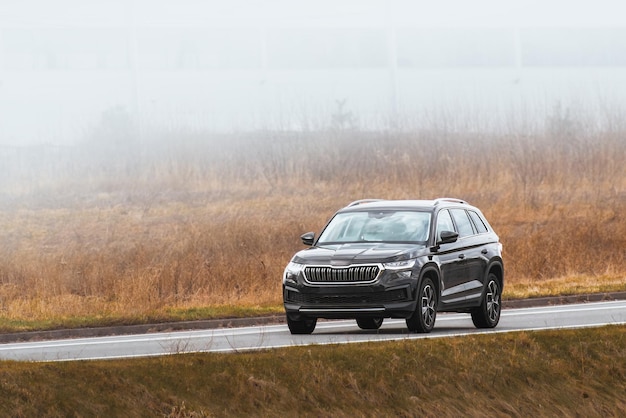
73,68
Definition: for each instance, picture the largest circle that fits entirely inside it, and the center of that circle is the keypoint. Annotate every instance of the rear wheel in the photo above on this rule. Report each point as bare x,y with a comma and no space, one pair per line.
369,323
423,319
304,326
487,315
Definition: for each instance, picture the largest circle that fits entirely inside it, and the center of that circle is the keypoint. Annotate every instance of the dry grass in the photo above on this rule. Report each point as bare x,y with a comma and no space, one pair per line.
136,233
551,373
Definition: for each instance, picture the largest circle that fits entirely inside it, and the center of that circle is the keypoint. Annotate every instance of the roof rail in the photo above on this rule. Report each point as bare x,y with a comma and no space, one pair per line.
361,201
449,199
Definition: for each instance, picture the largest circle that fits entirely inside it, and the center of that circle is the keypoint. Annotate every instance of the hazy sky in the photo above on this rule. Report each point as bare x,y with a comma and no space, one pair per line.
67,65
342,12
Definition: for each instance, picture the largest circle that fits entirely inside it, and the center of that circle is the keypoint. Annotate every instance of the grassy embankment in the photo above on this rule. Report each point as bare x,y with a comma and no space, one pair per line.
550,373
199,226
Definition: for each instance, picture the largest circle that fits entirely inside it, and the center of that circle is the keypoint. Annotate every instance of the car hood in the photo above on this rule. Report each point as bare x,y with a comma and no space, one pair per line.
357,253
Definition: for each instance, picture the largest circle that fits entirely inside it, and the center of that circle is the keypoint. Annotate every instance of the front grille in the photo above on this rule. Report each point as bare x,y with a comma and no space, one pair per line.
357,274
397,295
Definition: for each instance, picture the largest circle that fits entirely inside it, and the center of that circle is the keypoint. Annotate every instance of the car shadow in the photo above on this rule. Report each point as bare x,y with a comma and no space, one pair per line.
399,330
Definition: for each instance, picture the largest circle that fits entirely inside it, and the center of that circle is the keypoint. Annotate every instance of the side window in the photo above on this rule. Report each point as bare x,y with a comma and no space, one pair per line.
478,222
444,223
462,222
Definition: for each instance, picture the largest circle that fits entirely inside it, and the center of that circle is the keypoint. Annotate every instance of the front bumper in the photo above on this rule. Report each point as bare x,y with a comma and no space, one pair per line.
344,302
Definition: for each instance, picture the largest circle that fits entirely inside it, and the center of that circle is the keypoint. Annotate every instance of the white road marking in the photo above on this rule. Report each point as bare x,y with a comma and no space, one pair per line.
327,333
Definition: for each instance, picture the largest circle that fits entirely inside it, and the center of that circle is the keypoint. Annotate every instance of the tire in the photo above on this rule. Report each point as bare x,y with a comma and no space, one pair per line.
304,326
423,319
369,323
487,315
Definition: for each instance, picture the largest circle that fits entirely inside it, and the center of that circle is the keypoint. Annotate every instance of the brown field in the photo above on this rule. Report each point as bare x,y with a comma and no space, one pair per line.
194,225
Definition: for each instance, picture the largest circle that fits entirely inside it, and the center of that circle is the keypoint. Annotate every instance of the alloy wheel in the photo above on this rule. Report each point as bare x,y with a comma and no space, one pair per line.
428,306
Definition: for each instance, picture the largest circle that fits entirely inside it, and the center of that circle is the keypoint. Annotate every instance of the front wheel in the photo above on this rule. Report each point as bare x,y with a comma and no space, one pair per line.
304,326
423,319
369,323
487,315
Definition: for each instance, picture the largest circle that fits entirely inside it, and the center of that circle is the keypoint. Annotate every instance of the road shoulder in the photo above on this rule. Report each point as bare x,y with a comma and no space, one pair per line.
263,320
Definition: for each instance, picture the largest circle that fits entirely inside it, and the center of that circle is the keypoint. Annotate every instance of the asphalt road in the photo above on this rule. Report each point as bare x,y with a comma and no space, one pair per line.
327,332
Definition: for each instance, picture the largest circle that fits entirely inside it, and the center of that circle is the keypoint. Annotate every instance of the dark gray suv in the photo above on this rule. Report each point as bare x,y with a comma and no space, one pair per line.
409,259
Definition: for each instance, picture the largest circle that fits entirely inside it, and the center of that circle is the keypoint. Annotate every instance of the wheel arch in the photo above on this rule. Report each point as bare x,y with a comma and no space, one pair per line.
496,267
431,271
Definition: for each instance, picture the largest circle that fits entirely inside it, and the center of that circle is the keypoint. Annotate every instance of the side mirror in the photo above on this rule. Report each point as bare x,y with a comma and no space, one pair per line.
447,237
308,238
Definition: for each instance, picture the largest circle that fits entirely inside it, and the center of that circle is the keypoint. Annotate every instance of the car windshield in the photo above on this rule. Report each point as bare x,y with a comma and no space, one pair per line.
377,226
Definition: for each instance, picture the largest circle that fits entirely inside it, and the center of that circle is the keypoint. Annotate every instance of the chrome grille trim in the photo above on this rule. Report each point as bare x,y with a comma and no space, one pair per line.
359,273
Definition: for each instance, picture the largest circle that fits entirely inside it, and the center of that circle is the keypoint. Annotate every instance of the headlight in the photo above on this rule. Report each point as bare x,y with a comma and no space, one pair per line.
292,271
400,265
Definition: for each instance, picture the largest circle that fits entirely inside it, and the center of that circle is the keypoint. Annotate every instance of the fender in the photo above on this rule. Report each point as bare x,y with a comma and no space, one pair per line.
431,267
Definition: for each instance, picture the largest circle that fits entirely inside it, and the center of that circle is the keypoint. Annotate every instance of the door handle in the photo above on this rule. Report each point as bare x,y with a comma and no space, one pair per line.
484,251
461,256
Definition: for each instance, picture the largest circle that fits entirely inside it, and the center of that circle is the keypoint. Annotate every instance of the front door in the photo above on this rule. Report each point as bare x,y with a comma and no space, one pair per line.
454,268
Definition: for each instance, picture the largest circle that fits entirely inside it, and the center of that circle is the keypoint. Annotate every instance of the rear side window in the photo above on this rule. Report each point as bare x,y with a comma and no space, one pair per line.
478,222
463,223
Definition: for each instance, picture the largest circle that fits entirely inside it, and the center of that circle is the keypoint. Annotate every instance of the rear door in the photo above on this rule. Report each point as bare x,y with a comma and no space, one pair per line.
470,246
